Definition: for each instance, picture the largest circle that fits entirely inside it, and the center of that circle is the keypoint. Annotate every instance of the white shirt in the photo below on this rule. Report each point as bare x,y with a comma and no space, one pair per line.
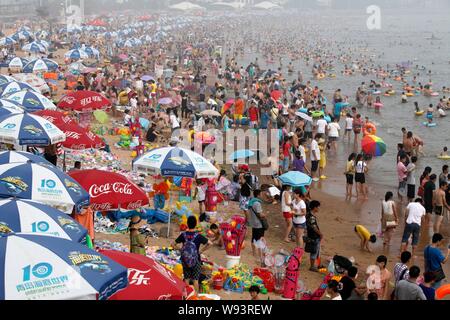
301,149
174,121
321,125
360,167
416,212
338,297
333,129
139,84
133,102
411,179
315,147
349,123
298,207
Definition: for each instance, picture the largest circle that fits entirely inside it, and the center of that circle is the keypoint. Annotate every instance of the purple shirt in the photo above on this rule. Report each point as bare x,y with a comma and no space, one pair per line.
299,165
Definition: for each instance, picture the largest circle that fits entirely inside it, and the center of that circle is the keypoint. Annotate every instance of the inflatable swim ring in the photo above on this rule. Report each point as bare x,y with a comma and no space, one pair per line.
444,157
332,75
419,113
443,291
410,94
317,114
427,124
376,92
369,128
320,76
378,105
434,94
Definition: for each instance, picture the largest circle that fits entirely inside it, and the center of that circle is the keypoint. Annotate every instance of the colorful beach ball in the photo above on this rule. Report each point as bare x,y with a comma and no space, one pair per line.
373,145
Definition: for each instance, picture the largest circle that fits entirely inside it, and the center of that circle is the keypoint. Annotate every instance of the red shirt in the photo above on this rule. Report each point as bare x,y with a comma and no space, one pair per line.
253,113
287,149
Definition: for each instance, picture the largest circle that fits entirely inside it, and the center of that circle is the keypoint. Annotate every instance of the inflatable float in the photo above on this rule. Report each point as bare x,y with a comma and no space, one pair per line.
427,124
369,129
410,94
444,157
419,113
378,105
443,291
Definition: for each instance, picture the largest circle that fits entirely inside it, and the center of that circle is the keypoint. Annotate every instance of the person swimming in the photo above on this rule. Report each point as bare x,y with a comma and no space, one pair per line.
444,152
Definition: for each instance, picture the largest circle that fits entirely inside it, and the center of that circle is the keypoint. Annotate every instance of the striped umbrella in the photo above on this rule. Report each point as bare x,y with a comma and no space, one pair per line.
20,156
44,183
40,65
39,267
9,88
34,47
7,41
373,145
32,101
76,54
18,63
9,104
28,129
6,79
33,217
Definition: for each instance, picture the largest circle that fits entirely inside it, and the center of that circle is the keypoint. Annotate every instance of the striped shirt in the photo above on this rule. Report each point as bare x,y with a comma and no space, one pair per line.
399,272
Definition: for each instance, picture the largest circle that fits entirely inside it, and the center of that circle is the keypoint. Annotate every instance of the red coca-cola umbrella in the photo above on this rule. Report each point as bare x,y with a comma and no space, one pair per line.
79,138
55,117
148,280
110,190
84,101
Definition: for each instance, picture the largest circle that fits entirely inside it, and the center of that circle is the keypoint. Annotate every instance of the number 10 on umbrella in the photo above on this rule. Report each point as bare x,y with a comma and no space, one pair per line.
40,270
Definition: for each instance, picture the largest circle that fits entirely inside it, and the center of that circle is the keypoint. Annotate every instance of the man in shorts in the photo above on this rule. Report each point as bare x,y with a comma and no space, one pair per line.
414,213
428,196
313,233
440,203
255,216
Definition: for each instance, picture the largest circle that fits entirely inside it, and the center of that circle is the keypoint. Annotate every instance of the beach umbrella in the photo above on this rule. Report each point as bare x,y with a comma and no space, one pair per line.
20,156
295,179
76,54
18,63
6,79
9,88
101,116
41,267
43,183
33,80
165,101
92,52
32,101
79,138
148,280
44,43
227,106
110,190
373,145
7,41
55,117
18,36
13,107
242,154
42,34
174,161
40,65
211,113
28,129
97,23
33,217
304,116
77,66
34,47
83,101
147,78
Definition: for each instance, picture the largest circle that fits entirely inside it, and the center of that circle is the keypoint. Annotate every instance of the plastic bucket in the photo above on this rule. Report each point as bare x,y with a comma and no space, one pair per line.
232,261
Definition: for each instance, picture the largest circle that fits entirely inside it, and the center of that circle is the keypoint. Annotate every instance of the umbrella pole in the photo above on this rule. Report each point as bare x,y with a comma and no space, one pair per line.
64,161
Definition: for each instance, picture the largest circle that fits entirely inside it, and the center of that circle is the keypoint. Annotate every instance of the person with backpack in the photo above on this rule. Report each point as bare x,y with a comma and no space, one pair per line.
193,245
257,221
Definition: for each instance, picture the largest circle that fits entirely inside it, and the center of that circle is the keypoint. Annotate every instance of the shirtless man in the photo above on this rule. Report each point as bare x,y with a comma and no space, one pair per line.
408,143
439,204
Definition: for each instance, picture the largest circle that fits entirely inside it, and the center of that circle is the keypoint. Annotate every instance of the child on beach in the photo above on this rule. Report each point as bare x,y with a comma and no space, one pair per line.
215,236
254,292
365,237
200,195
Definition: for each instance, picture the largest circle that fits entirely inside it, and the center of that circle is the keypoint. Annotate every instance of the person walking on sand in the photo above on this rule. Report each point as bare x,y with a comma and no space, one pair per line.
415,213
299,219
314,234
315,157
440,204
360,176
389,218
286,208
349,176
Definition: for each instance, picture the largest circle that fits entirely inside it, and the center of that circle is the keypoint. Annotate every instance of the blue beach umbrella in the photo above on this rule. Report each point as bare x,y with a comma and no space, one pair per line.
6,89
21,157
175,162
40,65
33,217
31,101
7,41
76,54
18,63
43,183
295,179
29,129
34,47
6,79
39,267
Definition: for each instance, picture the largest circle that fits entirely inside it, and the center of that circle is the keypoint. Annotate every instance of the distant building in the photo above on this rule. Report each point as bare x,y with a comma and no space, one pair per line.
15,8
